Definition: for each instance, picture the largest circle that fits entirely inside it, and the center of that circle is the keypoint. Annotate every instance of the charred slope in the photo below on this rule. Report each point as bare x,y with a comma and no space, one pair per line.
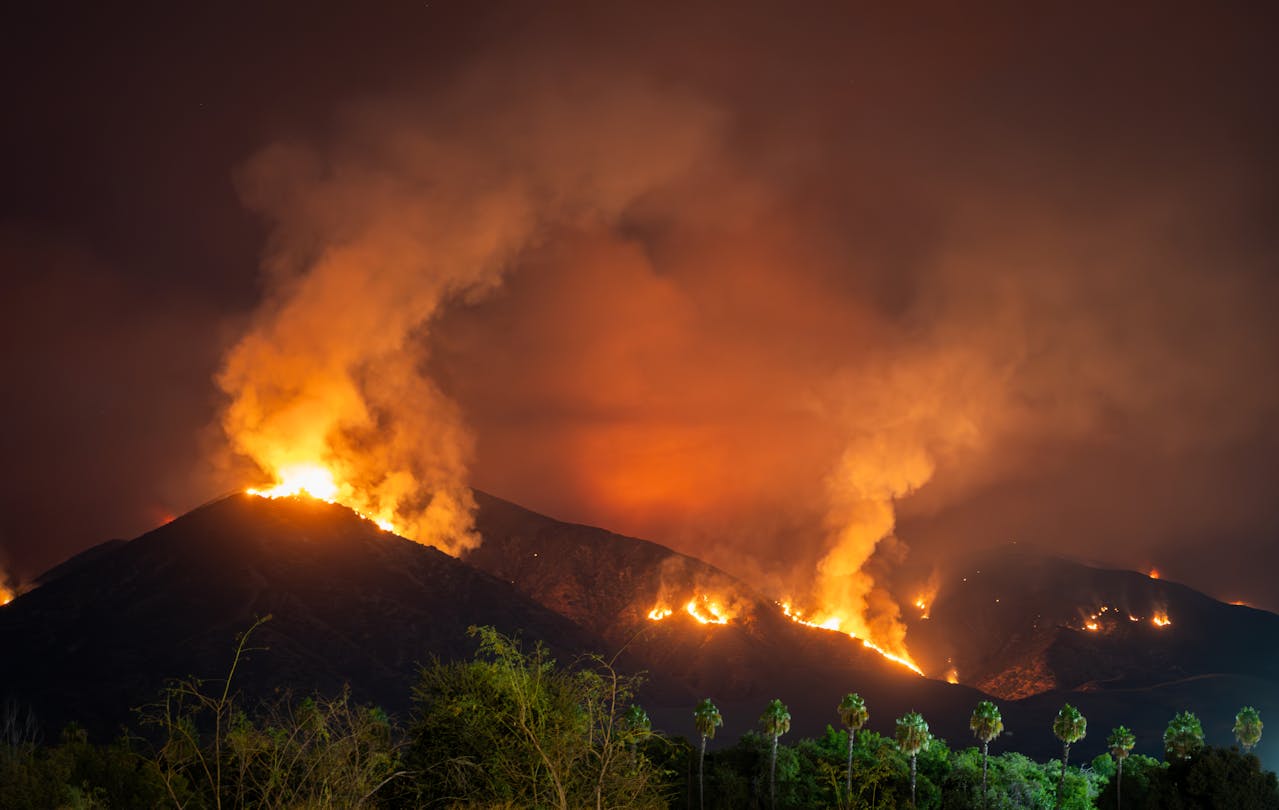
1017,624
608,583
350,604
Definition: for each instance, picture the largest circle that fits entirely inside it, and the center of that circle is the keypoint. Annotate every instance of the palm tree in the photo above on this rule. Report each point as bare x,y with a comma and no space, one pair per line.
1070,727
912,736
1248,728
986,724
636,725
852,713
776,722
1120,743
1183,737
707,718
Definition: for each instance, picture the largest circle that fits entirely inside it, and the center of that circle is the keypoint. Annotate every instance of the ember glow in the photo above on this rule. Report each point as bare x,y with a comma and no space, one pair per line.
1160,619
1153,573
316,481
830,622
703,608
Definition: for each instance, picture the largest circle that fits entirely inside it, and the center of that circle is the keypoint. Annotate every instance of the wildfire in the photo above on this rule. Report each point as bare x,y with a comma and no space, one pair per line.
6,596
705,609
834,622
922,603
1160,619
1092,625
952,675
317,481
1153,573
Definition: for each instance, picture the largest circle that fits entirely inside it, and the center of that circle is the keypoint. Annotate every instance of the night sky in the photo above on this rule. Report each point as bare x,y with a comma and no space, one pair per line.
734,277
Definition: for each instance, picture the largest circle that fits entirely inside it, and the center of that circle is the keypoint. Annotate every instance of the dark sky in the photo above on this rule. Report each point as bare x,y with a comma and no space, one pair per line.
728,276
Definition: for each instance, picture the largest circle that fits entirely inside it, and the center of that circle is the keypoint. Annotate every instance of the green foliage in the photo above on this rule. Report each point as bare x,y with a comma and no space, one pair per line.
1211,778
853,712
1134,786
314,753
1070,726
511,728
78,774
1183,737
706,718
1248,728
986,722
912,733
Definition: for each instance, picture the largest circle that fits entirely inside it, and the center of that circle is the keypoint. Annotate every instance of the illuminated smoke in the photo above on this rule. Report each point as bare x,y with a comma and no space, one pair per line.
407,213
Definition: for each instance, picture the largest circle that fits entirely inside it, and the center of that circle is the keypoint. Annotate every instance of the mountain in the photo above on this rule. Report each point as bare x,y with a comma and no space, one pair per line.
608,584
1123,646
349,602
352,604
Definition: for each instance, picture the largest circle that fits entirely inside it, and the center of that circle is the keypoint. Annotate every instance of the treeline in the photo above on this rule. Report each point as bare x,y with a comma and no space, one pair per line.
512,729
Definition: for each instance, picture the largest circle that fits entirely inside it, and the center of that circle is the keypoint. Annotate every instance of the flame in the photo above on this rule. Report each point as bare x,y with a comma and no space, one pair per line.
1160,619
6,595
316,481
1153,573
835,622
921,602
1091,625
703,608
952,675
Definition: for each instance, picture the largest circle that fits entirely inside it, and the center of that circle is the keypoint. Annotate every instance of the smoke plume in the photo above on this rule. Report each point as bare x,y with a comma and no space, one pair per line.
408,211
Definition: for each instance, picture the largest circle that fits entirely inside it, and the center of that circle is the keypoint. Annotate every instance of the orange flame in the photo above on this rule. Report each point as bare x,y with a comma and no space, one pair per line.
1160,619
1153,573
834,622
703,608
952,675
316,481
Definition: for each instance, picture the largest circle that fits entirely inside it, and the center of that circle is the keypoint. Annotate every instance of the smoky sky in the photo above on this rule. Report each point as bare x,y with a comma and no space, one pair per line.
1011,268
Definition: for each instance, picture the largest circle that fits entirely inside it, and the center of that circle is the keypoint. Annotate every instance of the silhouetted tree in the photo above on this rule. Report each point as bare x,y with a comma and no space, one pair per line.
1183,737
775,722
853,714
986,724
1069,727
1248,728
1120,743
707,718
912,735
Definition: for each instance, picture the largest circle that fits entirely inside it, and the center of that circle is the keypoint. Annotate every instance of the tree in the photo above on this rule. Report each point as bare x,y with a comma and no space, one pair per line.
912,735
1120,743
636,725
707,718
853,714
986,724
1248,728
1069,727
1183,737
513,729
775,721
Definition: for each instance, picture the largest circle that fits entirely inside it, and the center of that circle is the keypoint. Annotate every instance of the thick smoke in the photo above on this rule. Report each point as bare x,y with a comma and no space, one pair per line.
859,298
409,210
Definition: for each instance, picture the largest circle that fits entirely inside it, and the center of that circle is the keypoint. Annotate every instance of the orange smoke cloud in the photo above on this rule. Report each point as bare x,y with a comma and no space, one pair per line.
373,239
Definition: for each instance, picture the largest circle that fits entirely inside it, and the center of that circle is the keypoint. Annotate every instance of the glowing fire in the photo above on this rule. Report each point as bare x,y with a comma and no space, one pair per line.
1153,573
952,675
834,622
922,603
6,596
1160,619
1091,625
317,481
705,609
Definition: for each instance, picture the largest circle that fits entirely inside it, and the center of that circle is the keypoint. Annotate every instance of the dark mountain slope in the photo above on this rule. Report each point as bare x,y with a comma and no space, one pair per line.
1016,624
349,603
608,583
